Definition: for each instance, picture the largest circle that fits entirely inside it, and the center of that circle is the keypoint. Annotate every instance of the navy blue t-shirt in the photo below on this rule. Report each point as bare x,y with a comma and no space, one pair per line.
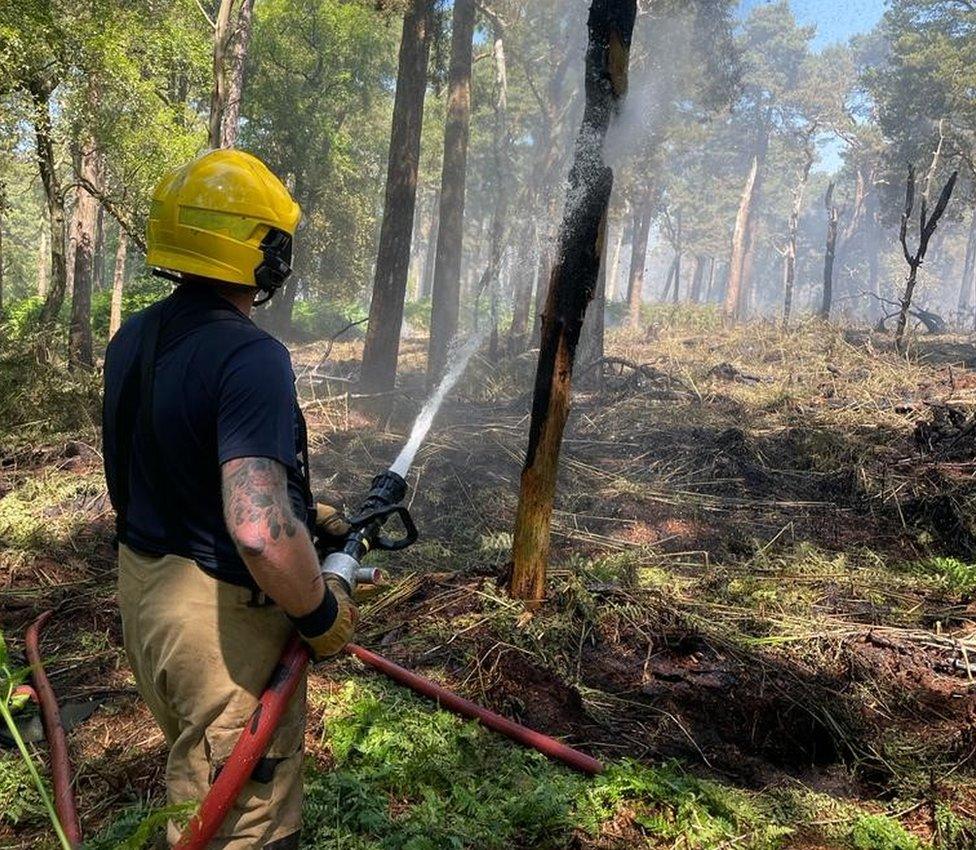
223,389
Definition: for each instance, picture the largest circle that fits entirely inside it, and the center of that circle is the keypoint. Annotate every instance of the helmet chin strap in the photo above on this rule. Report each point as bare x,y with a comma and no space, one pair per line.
167,275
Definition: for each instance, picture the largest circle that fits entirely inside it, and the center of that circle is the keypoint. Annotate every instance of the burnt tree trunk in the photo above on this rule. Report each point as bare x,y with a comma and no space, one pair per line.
571,286
829,252
232,32
927,225
84,225
393,255
638,259
118,284
446,294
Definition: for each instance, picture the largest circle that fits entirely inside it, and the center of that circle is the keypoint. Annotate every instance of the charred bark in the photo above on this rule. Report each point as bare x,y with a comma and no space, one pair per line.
571,286
446,294
393,256
927,226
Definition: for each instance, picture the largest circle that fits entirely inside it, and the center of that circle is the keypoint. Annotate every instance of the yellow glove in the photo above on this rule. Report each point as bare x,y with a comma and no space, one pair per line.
327,643
330,521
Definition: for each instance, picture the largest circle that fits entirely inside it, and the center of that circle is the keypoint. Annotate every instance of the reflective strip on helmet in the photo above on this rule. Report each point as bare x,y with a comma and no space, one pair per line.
214,221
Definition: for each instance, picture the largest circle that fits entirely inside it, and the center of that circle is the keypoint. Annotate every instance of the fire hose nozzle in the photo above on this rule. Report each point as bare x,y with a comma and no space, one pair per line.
349,571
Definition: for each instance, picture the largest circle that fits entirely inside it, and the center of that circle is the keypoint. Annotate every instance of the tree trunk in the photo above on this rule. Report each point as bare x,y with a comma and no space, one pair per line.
829,250
118,283
446,297
590,348
3,213
789,258
522,296
669,278
613,287
571,286
232,32
698,272
638,259
499,134
740,238
43,265
675,293
393,256
710,287
98,261
966,285
84,223
427,275
54,297
541,282
746,291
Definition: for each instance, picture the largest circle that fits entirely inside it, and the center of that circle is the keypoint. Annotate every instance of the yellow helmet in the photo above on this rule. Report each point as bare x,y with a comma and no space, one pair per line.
223,216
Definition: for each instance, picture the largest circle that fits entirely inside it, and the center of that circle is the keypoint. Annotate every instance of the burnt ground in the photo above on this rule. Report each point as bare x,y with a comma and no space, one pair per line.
761,568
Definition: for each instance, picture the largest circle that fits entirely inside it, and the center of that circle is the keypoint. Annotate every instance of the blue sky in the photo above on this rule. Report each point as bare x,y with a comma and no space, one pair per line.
836,20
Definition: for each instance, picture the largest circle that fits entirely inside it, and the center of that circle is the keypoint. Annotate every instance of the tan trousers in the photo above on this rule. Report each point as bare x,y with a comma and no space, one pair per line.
202,652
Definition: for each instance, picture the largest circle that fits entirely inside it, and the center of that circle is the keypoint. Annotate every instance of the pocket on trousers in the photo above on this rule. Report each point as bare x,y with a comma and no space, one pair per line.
287,743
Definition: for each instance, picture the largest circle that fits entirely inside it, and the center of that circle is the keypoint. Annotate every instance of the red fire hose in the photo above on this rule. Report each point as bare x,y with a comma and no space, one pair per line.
523,735
64,795
256,737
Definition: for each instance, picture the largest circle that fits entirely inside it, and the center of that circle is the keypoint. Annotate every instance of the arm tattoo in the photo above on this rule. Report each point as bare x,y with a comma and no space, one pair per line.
256,505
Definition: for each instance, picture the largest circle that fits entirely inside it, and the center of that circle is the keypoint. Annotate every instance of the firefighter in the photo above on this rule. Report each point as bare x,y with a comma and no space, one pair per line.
207,467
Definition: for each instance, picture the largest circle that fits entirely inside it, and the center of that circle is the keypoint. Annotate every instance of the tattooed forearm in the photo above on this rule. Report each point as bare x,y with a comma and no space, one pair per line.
256,506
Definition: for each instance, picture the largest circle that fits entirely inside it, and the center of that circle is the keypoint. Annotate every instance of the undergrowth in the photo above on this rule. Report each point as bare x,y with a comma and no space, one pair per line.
409,777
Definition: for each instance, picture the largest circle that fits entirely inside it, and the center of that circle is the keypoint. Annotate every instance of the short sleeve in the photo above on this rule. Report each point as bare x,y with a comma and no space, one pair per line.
256,405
